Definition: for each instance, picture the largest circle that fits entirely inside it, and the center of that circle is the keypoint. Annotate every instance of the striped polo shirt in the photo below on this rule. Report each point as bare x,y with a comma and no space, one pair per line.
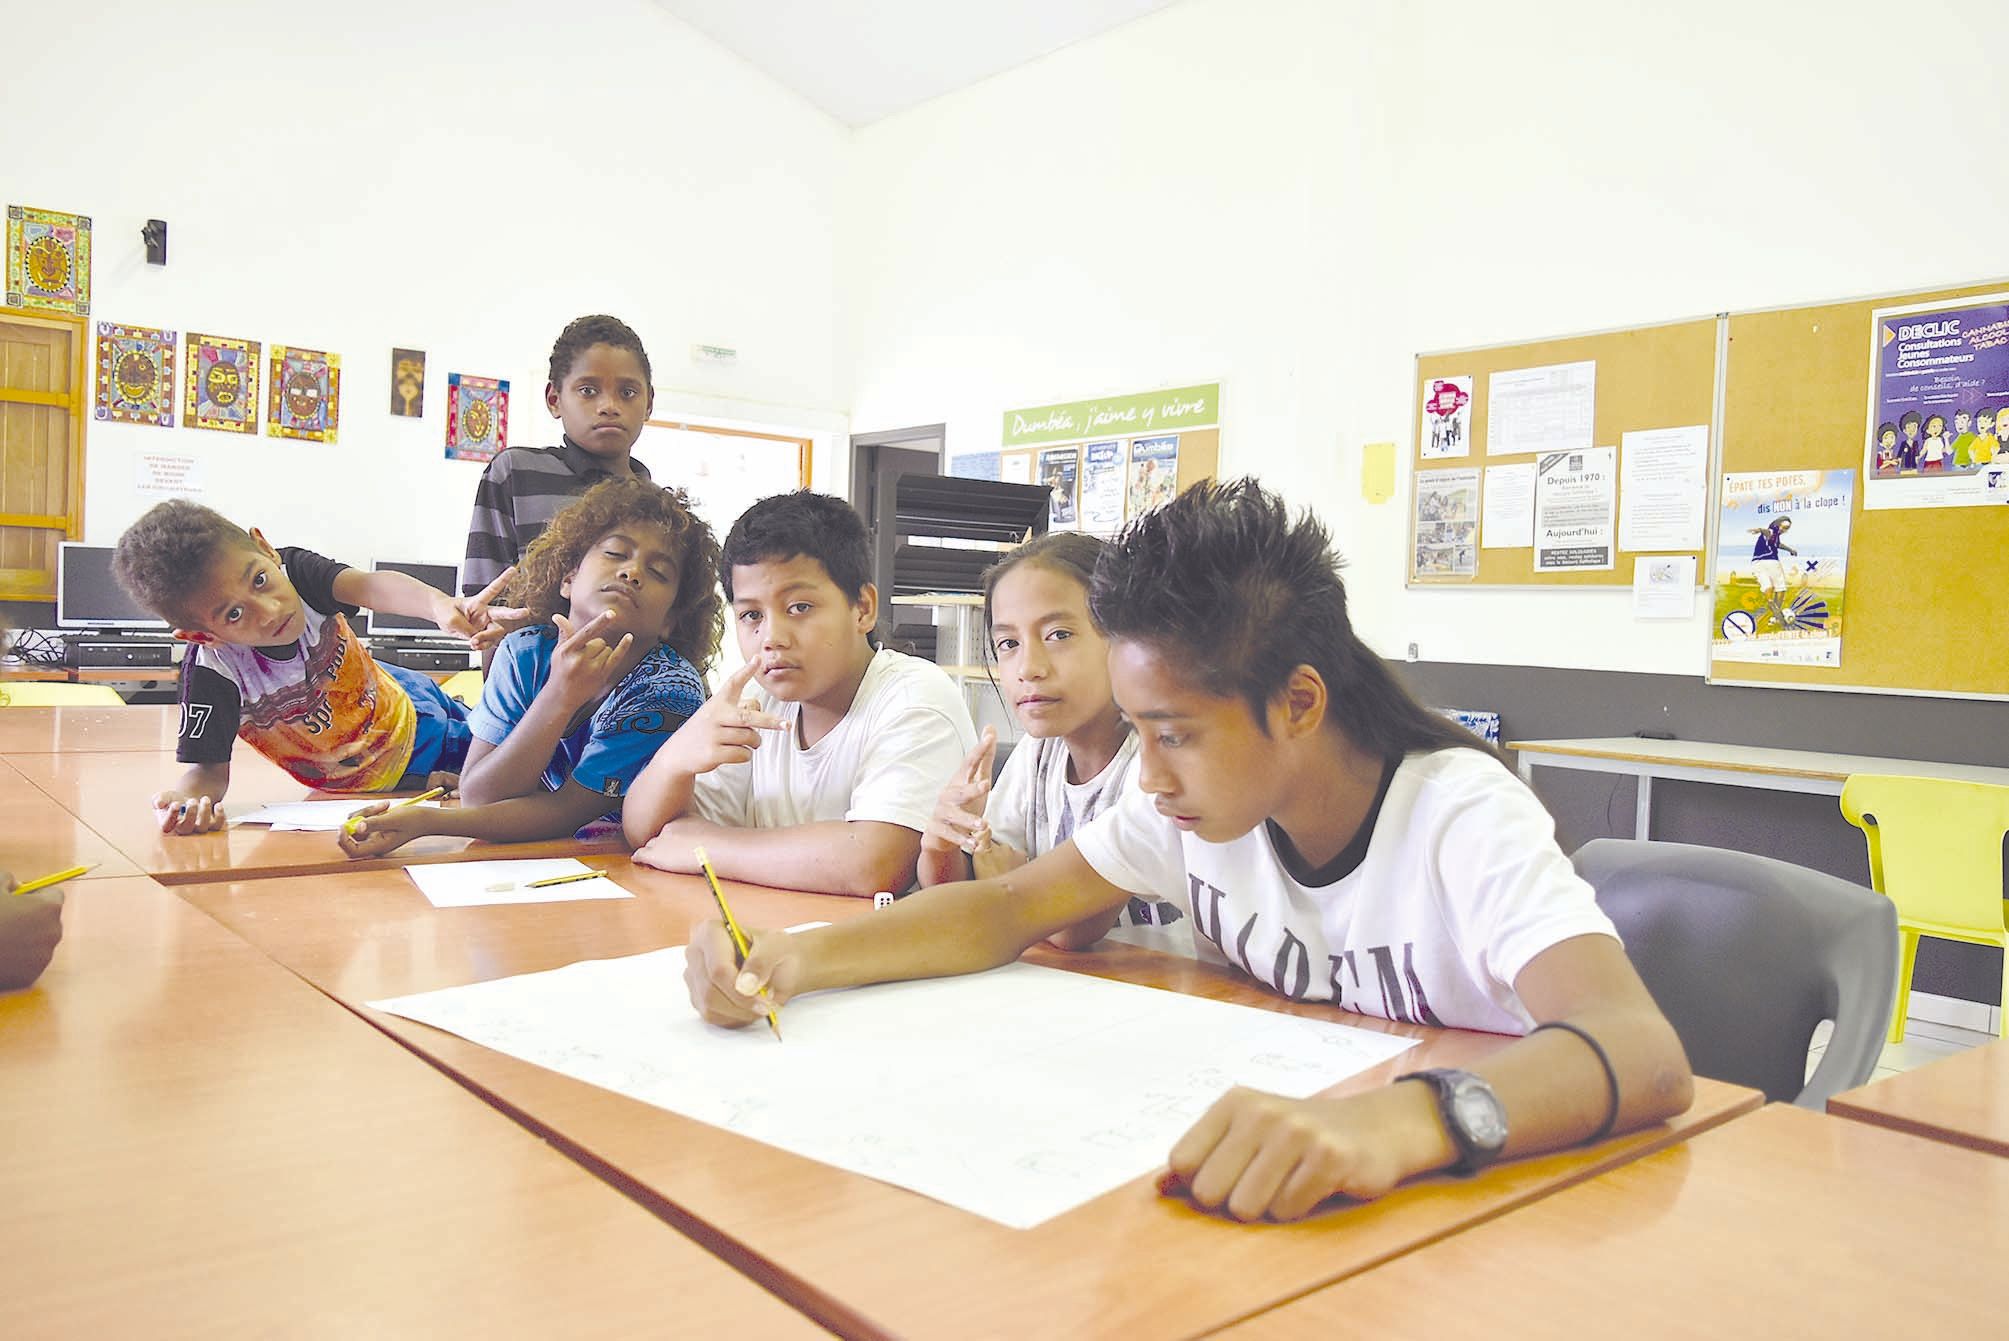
520,493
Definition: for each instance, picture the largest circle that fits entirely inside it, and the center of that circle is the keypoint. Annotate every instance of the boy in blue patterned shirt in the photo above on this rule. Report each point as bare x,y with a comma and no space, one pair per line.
572,709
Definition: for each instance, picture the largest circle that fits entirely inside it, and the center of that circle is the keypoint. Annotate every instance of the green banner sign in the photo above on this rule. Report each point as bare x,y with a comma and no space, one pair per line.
1115,416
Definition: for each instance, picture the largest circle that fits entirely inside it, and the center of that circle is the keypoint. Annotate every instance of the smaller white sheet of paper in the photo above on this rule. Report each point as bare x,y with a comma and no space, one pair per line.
1015,1094
313,816
1663,586
466,884
1507,508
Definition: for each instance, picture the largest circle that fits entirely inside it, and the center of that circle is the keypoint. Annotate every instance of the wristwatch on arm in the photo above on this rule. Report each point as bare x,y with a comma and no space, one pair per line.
1473,1116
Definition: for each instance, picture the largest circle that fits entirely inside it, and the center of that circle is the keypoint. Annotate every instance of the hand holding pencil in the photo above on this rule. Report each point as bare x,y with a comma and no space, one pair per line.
387,825
30,926
733,978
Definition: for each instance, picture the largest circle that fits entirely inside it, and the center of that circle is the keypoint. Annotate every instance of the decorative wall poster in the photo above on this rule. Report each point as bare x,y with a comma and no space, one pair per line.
48,260
1548,409
1574,496
1782,550
1102,487
221,384
1154,473
306,394
477,417
1059,471
408,383
1447,523
1939,393
135,375
1447,418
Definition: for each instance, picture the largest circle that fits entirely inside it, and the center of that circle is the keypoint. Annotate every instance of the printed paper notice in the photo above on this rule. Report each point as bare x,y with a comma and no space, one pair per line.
1663,586
1447,522
1541,409
1508,521
1447,417
1782,558
167,475
1573,510
1102,483
1661,487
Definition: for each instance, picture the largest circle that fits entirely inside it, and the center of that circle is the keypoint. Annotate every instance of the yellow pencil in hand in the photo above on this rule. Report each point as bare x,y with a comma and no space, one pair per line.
349,824
739,944
56,878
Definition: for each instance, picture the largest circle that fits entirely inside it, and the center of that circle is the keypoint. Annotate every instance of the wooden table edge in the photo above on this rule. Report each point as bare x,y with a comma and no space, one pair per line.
1840,1106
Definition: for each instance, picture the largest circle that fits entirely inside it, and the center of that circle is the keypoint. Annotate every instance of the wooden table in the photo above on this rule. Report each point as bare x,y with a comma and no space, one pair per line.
1783,1223
198,1144
80,730
110,792
38,836
863,1257
1732,765
1962,1100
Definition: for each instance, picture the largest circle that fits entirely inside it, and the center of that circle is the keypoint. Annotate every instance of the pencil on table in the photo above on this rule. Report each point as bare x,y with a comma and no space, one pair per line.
55,878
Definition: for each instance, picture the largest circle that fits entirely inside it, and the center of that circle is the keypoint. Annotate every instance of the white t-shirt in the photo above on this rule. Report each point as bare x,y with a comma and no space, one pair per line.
885,760
1460,885
1035,808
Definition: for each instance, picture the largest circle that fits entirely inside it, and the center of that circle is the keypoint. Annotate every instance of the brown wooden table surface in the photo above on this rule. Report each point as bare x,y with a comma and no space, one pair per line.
38,836
1782,1223
861,1256
196,1143
69,730
1962,1100
110,791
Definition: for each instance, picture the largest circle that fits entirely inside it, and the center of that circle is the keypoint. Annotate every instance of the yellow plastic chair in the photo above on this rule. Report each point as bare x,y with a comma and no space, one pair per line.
54,694
1935,850
463,685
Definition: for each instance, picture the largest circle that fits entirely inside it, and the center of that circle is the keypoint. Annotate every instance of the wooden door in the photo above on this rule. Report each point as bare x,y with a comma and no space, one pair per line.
44,395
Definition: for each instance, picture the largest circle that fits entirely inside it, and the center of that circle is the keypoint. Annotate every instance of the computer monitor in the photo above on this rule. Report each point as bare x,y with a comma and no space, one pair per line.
444,576
89,597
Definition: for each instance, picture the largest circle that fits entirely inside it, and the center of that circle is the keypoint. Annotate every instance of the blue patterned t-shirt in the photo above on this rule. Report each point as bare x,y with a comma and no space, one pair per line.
607,750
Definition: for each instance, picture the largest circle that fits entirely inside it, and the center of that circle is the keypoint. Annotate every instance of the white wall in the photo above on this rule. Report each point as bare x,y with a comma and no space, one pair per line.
1296,196
458,179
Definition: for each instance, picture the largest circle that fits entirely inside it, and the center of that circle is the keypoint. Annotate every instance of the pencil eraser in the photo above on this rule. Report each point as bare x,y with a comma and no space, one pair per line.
882,900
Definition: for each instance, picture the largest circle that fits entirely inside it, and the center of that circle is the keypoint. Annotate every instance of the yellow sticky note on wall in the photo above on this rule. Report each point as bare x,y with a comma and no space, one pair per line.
1377,472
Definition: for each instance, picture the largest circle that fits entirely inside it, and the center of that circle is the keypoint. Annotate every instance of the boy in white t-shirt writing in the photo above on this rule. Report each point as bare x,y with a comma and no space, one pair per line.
826,782
1339,842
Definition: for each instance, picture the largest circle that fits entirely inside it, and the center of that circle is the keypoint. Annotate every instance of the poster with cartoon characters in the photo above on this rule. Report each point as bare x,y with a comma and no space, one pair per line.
221,392
1939,398
306,390
135,375
1154,473
1782,548
1446,428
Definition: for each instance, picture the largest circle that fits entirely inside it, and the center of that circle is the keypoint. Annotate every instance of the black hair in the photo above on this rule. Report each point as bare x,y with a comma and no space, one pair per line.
582,333
169,551
807,525
1224,582
1072,554
1910,419
1885,427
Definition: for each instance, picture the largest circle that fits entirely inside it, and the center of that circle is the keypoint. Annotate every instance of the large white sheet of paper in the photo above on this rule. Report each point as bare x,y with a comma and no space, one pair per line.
1573,510
1661,487
1016,1094
311,816
1663,586
474,884
1507,519
1548,409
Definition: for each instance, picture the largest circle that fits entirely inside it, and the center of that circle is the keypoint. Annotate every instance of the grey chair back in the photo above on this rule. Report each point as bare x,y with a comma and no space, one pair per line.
1746,955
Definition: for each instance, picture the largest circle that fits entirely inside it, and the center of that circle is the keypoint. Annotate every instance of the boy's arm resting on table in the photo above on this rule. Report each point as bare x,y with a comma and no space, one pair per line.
519,819
938,932
855,857
195,803
1260,1156
660,794
496,772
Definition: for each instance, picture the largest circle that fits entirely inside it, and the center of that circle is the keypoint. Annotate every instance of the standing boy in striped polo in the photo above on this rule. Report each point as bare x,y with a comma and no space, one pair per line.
601,390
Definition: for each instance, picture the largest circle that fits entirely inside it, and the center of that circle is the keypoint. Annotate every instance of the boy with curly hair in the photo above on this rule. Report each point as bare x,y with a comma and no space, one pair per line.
624,586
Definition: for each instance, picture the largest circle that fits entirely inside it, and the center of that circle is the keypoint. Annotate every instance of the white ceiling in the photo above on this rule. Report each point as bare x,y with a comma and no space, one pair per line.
860,60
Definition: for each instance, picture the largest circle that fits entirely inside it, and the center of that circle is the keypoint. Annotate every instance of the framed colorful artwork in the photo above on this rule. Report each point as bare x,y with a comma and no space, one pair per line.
408,383
477,417
135,375
306,395
221,384
48,260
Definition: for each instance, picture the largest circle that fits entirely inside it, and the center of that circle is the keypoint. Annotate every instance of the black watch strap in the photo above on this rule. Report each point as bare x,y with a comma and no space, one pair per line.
1471,1113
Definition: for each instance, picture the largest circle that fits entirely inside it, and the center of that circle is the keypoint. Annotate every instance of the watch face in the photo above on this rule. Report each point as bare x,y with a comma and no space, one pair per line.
1478,1113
